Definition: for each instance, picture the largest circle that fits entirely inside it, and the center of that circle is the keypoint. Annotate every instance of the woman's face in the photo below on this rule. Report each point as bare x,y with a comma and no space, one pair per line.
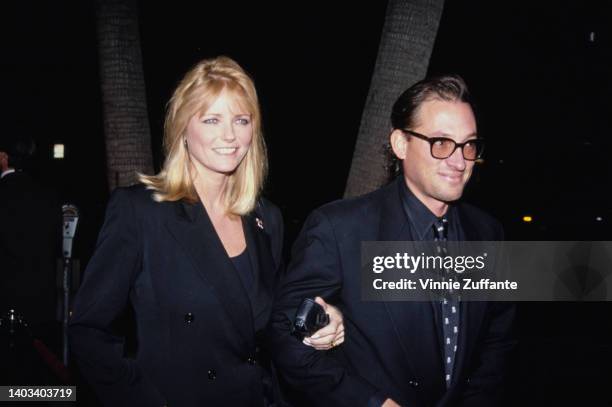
219,139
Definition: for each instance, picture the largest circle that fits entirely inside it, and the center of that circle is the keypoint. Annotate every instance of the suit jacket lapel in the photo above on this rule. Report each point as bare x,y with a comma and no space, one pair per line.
414,321
468,226
472,313
393,221
194,231
260,251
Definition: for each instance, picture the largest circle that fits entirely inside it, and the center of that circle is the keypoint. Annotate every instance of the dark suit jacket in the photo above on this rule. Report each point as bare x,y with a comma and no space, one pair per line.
30,232
196,340
392,349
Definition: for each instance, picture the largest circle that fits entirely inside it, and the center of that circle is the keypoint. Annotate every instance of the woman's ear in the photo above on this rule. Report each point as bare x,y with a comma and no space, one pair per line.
399,144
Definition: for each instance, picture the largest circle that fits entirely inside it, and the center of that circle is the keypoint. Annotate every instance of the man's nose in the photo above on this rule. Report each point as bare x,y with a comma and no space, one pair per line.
456,160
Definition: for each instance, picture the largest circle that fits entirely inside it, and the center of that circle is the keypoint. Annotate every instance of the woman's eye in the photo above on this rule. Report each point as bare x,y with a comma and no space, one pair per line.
211,120
243,121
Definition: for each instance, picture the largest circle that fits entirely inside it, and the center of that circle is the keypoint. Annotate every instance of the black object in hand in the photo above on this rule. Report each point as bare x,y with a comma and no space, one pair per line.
309,318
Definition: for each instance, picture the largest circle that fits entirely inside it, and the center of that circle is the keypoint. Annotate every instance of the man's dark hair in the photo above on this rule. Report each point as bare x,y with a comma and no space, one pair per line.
19,151
450,88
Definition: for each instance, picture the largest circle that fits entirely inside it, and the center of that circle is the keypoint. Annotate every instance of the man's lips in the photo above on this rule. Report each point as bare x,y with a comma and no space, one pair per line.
452,177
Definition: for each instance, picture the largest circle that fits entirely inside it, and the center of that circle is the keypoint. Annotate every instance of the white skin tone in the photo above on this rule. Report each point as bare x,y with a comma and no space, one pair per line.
218,141
436,182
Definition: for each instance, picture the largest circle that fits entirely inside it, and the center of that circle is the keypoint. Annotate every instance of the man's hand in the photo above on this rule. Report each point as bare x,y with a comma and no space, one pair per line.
390,403
330,335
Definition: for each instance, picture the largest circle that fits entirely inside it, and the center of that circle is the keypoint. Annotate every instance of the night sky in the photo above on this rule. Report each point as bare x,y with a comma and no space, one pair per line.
539,72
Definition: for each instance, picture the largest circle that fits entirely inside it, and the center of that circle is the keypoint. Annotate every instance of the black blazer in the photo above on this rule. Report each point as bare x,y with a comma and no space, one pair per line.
196,340
392,349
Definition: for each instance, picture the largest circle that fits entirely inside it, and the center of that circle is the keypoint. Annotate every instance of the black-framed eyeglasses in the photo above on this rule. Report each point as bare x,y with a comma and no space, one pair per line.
444,147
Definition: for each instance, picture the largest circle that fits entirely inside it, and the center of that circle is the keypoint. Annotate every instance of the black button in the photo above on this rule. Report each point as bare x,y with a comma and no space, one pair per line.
251,360
212,375
189,318
413,383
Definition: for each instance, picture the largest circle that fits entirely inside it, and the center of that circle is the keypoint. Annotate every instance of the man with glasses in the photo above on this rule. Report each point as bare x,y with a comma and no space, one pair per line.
444,352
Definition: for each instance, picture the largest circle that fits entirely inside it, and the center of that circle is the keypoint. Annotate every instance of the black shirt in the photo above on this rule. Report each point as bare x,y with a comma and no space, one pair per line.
421,219
258,297
421,222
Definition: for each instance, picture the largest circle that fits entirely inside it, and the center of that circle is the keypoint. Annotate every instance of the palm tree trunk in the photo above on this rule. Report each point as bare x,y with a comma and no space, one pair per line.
126,121
406,43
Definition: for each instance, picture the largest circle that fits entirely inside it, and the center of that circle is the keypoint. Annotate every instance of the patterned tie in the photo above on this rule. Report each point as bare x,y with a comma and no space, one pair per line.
450,305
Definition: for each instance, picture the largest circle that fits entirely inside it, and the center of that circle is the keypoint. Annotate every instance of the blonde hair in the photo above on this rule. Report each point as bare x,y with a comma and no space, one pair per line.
196,92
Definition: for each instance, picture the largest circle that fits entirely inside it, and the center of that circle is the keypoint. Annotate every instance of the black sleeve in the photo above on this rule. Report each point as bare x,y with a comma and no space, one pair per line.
315,270
100,299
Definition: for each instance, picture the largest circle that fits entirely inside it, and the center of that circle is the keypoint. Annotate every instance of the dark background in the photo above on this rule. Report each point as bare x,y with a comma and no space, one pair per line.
538,71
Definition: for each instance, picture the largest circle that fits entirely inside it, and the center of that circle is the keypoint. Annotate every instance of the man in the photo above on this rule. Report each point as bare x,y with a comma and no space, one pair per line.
400,353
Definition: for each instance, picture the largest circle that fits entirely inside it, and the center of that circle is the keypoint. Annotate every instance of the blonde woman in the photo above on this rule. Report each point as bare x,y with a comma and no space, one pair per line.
196,251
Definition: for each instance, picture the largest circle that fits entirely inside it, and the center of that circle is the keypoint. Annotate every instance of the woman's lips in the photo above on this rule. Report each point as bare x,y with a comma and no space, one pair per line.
225,150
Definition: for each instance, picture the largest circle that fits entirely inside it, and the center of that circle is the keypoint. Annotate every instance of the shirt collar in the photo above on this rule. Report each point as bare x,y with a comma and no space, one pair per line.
421,217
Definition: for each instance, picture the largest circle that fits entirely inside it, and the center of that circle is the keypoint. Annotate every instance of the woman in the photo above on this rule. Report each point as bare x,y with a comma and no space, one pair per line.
197,253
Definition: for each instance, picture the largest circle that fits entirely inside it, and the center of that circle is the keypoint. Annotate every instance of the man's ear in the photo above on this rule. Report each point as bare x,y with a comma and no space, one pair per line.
399,144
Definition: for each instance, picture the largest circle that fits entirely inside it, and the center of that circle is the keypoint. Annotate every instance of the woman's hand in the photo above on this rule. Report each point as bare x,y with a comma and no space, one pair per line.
331,335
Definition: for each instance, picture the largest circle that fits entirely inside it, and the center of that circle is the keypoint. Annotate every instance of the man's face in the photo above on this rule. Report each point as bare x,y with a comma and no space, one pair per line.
437,181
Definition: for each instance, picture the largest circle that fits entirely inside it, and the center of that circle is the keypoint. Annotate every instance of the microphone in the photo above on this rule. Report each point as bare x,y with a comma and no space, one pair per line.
71,219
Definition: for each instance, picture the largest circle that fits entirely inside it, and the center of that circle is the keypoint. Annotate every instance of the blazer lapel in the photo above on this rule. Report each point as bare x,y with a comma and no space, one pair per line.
194,231
413,321
472,313
468,225
260,251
